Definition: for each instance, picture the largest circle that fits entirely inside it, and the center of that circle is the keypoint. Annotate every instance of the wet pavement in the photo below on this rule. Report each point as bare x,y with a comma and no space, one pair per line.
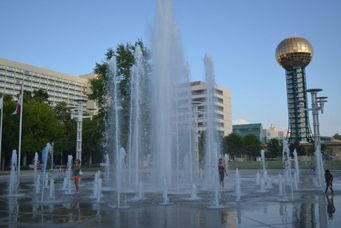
306,207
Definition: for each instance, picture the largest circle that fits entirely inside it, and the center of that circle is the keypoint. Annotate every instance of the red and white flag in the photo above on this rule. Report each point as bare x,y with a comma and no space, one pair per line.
19,102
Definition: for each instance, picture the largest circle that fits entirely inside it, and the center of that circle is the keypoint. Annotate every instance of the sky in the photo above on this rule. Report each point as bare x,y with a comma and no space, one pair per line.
241,37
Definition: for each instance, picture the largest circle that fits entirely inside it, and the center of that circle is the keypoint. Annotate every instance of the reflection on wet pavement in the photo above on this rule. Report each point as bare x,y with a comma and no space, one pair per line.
309,207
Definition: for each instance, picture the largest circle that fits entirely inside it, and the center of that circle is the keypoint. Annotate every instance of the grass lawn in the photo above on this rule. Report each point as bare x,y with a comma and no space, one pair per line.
332,164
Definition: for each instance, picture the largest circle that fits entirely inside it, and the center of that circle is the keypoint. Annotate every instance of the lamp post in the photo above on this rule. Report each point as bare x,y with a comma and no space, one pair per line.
78,115
317,104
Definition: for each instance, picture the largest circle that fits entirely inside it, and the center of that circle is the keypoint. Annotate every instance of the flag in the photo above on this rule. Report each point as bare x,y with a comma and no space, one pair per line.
19,102
1,103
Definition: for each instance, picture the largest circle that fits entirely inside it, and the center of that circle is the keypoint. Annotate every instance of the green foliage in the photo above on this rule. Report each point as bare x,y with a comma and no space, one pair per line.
125,59
337,136
93,142
274,148
233,144
69,125
39,126
40,95
252,145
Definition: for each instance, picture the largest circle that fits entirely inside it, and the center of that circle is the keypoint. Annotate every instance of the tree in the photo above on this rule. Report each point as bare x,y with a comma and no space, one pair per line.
40,126
274,148
40,95
337,136
233,144
100,86
252,146
92,144
63,114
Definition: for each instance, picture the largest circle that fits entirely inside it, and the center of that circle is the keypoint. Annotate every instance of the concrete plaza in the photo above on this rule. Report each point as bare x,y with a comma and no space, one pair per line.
306,207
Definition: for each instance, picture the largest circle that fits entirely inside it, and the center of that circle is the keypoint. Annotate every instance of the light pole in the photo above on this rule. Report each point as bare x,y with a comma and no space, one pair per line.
78,114
317,104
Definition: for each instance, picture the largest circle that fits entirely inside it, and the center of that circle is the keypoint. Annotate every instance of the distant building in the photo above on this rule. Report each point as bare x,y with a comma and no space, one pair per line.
223,106
59,86
273,133
250,129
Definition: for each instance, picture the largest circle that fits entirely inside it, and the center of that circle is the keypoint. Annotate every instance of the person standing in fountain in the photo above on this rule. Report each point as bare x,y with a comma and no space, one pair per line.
76,173
222,172
329,181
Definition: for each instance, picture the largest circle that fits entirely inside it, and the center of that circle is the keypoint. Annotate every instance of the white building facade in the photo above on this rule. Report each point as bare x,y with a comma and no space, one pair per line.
59,86
223,107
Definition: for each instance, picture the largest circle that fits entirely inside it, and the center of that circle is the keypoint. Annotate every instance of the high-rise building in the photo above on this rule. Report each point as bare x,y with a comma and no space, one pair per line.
294,54
59,86
223,108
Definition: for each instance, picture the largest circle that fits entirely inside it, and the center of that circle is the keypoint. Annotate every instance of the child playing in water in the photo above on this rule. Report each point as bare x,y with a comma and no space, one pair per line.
76,173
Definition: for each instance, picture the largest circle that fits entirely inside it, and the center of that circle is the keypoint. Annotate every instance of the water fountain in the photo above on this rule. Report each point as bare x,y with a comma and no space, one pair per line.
95,185
13,178
107,169
237,186
67,186
44,184
297,167
36,159
171,173
288,170
135,128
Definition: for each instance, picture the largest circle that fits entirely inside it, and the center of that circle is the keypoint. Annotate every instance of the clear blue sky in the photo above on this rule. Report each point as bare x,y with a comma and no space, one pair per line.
241,36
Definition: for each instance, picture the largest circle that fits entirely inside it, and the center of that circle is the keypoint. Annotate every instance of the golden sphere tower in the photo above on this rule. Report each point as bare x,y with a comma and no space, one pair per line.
294,54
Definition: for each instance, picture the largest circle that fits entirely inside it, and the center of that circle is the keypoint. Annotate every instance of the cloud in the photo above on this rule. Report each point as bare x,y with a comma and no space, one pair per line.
240,121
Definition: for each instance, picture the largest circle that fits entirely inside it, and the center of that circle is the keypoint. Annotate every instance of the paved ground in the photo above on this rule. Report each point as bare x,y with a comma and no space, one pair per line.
306,207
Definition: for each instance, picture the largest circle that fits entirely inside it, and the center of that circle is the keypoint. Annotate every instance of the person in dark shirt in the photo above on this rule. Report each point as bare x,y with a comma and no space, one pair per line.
222,172
329,181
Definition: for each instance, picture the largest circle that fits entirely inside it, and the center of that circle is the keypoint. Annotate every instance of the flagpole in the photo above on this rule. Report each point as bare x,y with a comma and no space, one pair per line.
20,125
2,116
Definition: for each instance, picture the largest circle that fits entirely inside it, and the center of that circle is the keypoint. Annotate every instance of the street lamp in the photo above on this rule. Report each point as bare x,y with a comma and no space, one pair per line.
78,114
317,104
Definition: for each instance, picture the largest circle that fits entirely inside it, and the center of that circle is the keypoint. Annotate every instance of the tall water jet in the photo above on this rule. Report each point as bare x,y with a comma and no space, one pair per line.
265,173
107,169
36,159
51,189
280,185
95,185
113,121
135,117
287,162
212,140
13,180
237,186
45,154
297,167
169,131
226,159
68,175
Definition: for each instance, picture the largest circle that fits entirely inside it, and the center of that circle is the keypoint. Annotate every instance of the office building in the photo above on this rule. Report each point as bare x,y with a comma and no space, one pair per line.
250,129
59,86
222,103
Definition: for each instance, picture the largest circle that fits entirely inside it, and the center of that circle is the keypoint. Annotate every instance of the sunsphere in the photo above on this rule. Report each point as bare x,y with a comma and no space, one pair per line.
294,52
